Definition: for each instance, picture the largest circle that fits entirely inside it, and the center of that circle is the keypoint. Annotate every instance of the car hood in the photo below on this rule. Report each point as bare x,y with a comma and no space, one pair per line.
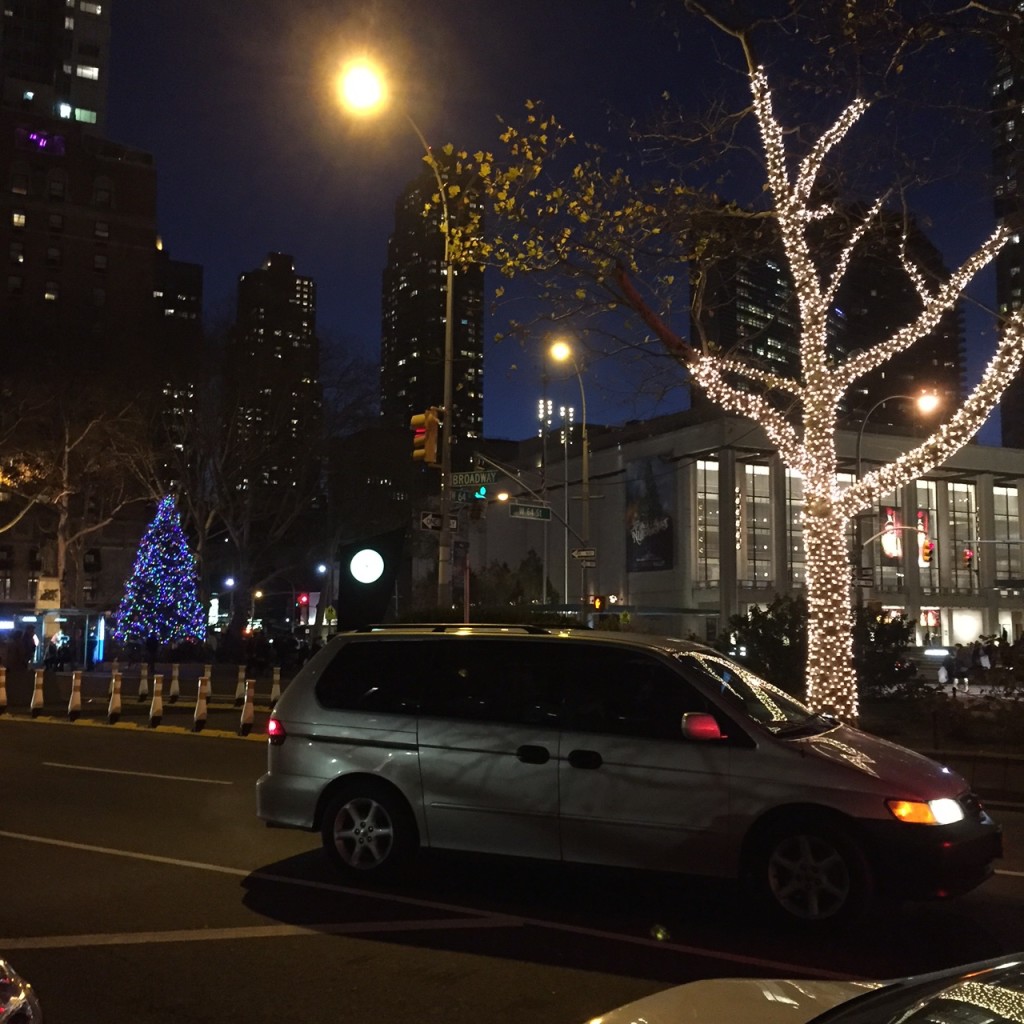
919,776
738,1001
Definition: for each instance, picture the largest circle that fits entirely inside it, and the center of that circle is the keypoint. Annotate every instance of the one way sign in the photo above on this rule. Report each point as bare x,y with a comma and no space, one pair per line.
432,521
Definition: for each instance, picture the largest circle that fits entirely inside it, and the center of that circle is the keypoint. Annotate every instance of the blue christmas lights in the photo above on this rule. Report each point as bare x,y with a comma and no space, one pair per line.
161,596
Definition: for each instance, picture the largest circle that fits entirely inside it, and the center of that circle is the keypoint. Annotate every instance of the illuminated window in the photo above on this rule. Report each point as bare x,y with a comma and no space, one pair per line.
17,219
102,229
51,291
963,532
89,8
85,116
756,533
1007,553
17,252
89,71
708,560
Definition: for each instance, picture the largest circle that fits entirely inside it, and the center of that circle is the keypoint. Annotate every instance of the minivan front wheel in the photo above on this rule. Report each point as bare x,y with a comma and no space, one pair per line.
812,872
368,830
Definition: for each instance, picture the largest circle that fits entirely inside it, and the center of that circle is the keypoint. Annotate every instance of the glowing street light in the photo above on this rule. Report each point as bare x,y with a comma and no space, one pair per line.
927,402
362,90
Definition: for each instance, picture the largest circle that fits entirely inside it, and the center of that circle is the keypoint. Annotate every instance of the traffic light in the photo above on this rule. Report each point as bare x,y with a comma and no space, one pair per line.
968,558
927,546
302,599
599,602
425,427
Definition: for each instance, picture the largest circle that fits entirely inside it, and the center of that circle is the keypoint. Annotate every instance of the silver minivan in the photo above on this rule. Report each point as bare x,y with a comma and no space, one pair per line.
614,749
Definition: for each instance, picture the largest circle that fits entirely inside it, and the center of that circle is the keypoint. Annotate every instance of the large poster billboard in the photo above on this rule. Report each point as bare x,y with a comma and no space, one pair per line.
650,510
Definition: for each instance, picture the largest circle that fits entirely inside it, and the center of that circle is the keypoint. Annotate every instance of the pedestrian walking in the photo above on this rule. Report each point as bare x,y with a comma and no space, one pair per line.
962,661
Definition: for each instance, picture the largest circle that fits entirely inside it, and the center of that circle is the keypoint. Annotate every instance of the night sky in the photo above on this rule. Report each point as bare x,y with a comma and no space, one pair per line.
254,156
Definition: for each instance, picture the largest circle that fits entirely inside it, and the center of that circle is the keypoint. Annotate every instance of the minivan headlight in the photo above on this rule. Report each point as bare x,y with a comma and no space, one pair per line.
944,811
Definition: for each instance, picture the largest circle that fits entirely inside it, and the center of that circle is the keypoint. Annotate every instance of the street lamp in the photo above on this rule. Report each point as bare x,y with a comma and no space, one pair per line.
362,89
562,352
927,402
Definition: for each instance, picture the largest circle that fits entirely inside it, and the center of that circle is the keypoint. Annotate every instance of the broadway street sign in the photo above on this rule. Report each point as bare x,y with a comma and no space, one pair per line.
474,478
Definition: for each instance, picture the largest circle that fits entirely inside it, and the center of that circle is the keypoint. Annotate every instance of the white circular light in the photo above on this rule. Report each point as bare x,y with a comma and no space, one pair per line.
366,566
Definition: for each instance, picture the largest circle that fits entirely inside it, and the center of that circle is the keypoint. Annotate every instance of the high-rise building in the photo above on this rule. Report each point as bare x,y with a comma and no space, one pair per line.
1008,169
273,367
78,233
413,323
54,58
745,302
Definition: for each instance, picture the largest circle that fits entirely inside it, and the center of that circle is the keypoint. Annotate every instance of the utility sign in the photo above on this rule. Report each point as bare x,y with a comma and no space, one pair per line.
432,521
517,510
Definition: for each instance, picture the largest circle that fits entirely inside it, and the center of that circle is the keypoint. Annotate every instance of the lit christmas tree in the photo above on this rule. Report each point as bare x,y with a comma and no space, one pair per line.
161,597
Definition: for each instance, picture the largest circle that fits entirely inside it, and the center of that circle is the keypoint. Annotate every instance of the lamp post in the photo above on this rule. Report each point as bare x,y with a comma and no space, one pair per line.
927,402
363,91
544,415
562,352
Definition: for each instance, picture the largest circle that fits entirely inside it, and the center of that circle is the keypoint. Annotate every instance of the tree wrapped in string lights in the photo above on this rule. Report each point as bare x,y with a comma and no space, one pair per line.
809,446
605,231
161,596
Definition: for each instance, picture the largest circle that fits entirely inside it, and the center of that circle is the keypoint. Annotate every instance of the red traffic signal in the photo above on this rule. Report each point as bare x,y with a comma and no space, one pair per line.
302,599
425,429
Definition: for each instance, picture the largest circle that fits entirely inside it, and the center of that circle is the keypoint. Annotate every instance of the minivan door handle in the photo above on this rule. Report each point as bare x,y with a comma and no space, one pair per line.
585,759
530,754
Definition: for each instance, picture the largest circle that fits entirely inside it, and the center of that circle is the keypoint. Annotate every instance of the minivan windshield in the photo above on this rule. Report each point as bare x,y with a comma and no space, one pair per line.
765,704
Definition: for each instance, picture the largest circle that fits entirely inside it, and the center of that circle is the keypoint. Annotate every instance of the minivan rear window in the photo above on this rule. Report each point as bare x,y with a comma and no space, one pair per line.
375,675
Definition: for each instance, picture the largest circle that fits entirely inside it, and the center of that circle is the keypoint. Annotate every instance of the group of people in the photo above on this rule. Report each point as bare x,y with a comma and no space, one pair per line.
968,663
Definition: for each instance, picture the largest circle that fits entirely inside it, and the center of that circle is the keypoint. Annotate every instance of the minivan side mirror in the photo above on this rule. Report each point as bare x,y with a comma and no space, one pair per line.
697,725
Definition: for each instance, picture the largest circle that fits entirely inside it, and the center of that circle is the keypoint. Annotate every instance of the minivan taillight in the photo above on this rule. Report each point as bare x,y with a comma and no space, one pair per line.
276,732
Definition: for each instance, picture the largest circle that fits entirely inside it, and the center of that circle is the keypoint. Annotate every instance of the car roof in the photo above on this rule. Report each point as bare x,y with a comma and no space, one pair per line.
525,631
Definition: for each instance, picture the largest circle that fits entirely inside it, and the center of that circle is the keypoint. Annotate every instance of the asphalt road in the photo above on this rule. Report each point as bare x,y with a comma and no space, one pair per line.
139,885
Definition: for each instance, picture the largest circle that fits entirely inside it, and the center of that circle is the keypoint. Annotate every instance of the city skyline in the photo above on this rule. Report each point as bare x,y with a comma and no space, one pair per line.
253,156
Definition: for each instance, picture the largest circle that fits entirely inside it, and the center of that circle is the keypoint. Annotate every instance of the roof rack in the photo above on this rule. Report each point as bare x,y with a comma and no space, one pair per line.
448,627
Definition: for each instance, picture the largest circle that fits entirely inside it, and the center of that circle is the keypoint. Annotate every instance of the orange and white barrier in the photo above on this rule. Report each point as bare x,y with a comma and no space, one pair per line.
143,683
3,689
199,718
174,691
240,687
245,725
75,701
156,707
114,707
36,705
275,688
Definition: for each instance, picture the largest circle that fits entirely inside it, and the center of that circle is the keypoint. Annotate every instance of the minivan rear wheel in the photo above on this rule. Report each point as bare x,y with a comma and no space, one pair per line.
368,830
811,872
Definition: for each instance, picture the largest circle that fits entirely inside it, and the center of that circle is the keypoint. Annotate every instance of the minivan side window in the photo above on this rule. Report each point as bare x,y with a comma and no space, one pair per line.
626,693
375,675
492,680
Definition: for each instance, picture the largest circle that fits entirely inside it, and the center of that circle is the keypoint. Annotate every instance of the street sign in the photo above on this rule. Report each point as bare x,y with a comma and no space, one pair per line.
588,563
584,552
432,521
474,478
518,510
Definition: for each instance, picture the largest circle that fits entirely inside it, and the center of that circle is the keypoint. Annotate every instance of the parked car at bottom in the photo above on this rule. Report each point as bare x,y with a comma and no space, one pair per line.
622,750
989,992
18,1002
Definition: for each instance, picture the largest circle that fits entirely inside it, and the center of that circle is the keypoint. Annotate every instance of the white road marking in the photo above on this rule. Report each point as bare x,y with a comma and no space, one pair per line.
474,920
141,775
274,931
